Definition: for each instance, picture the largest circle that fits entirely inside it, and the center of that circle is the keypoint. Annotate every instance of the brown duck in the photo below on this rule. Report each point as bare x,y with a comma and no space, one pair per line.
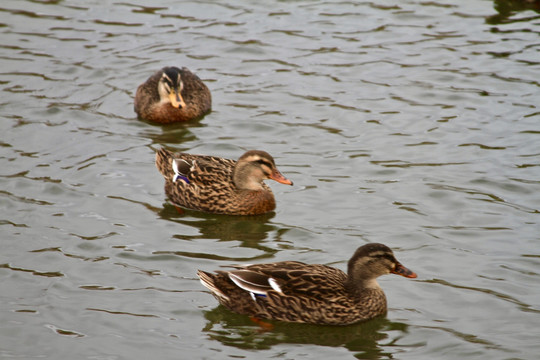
317,294
172,95
220,186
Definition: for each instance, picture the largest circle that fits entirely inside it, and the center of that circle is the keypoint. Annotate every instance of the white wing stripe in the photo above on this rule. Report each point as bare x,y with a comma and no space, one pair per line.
273,283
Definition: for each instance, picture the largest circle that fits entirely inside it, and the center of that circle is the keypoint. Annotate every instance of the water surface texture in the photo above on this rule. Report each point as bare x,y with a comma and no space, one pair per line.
411,123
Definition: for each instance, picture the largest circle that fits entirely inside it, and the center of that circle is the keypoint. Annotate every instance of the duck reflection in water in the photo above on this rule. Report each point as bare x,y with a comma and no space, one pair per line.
223,227
507,9
362,339
249,231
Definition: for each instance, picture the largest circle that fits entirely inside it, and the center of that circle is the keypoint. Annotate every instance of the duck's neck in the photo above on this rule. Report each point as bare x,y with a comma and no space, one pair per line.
371,284
247,184
369,298
244,180
359,286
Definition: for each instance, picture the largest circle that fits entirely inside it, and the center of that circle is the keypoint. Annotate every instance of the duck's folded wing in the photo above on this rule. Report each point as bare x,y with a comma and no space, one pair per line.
206,171
181,169
254,282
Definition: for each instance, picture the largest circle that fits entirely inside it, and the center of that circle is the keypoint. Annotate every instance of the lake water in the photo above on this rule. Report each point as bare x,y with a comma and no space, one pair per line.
411,123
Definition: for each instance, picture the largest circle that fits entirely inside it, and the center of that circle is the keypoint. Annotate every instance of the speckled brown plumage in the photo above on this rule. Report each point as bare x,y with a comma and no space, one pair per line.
220,186
318,294
150,106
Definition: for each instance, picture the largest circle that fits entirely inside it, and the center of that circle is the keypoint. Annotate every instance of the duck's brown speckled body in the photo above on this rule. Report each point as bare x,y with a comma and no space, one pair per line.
172,95
220,186
318,294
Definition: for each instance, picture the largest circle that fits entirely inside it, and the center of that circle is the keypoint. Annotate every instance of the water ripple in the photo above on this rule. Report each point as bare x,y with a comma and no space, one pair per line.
412,124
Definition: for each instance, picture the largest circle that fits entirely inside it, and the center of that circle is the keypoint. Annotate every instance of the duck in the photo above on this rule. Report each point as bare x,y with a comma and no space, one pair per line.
172,95
293,291
220,186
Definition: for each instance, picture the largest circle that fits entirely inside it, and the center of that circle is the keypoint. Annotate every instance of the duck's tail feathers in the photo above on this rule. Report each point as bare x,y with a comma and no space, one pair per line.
207,279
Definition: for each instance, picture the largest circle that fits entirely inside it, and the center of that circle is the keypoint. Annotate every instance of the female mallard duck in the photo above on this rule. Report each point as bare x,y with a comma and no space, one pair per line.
316,294
172,95
220,186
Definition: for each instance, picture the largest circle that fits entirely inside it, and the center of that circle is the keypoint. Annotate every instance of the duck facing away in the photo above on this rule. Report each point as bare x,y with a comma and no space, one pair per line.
220,186
172,95
317,294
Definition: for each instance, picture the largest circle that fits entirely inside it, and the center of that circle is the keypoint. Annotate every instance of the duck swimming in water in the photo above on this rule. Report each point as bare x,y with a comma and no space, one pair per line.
172,95
318,294
220,186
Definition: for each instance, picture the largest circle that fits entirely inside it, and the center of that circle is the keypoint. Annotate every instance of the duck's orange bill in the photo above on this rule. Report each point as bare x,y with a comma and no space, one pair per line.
176,99
276,176
403,271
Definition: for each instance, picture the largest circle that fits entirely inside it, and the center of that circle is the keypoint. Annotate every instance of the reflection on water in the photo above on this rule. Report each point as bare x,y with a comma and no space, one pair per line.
177,133
362,339
245,231
508,8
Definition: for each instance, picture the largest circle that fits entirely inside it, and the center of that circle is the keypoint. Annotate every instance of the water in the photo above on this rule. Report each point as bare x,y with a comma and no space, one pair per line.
415,124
